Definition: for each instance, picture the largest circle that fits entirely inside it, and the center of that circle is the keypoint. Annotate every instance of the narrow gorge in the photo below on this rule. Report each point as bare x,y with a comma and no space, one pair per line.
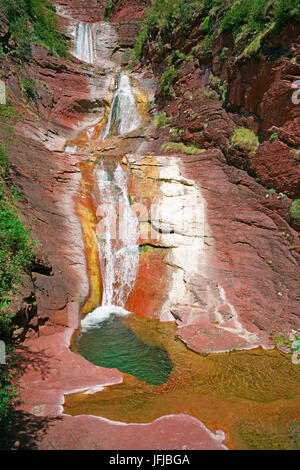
157,167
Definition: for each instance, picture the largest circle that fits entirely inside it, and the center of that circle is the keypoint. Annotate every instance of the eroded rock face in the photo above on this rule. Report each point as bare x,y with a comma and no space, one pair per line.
276,165
214,95
225,256
91,11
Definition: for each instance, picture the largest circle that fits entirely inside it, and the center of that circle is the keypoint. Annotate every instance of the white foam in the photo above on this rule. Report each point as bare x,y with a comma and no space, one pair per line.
100,314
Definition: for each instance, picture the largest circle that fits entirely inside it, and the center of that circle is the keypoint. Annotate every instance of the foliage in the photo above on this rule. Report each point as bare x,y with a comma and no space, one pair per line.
245,139
219,85
295,209
32,21
188,149
205,24
161,120
274,137
3,158
28,85
8,118
250,20
107,10
8,394
16,252
167,80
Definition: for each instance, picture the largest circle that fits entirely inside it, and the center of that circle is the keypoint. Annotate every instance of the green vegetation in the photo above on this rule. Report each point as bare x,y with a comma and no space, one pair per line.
205,24
176,132
188,149
16,252
249,21
292,341
161,120
245,139
167,80
107,10
28,85
274,137
219,86
31,21
295,209
205,46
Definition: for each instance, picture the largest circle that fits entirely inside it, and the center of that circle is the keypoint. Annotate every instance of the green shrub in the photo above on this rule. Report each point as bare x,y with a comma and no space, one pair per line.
32,21
107,10
16,254
28,85
274,137
8,118
188,149
249,20
161,120
3,158
205,46
206,24
219,86
245,139
224,53
167,80
295,209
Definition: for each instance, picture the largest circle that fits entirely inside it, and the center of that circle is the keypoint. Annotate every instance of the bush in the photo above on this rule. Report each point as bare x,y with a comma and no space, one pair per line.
206,24
16,254
29,87
161,120
250,19
167,80
3,158
32,21
245,139
295,209
188,149
107,10
274,137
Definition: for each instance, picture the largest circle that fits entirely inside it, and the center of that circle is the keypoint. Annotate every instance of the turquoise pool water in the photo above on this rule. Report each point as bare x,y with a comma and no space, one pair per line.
114,345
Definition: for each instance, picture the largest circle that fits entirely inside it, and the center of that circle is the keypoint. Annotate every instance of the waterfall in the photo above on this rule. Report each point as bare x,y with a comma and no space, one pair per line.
118,234
123,116
83,47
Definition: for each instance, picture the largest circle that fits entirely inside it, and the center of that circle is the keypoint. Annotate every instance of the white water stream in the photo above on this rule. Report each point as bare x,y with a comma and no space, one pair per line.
123,116
83,46
118,234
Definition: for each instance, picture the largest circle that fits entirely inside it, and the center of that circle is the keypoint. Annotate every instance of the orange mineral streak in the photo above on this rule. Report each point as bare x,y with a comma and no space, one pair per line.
150,288
87,215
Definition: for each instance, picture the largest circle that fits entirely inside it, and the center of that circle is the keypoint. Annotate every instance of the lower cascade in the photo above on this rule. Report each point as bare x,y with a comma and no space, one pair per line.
118,246
104,339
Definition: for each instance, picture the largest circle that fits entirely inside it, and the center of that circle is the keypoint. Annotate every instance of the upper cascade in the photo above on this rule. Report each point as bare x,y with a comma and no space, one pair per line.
123,116
83,47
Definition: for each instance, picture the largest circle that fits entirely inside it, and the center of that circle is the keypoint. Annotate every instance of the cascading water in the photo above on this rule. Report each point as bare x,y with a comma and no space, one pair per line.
118,245
83,47
123,116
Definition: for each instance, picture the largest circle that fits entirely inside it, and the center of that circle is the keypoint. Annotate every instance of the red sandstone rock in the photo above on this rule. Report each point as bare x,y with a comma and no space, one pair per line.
275,164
